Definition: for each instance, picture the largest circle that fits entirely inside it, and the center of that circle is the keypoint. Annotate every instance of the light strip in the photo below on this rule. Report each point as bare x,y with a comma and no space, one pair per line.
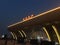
47,33
21,33
14,36
36,16
56,33
24,33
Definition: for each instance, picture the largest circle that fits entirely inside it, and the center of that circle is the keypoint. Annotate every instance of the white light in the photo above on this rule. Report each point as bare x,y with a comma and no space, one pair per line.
38,37
2,36
56,43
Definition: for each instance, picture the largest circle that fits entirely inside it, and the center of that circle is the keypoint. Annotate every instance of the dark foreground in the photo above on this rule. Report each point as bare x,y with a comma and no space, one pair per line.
33,42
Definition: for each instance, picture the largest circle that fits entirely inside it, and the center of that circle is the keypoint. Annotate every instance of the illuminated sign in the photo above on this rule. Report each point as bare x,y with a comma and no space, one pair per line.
28,17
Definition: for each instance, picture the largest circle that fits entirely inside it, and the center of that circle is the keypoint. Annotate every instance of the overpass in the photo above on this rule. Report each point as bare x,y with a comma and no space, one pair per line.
45,25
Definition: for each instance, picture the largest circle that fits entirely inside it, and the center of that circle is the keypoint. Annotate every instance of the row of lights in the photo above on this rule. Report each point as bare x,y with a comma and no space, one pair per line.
28,17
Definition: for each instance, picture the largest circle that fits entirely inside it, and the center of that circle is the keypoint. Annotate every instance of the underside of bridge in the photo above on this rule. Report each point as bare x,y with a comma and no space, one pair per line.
45,25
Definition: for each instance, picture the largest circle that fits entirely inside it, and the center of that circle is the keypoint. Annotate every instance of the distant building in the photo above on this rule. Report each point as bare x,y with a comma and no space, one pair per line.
45,25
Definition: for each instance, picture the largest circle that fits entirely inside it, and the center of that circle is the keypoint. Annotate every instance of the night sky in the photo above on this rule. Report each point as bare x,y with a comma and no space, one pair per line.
12,11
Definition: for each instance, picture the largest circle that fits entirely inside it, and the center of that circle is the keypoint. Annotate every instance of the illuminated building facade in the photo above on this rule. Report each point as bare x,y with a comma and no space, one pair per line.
45,25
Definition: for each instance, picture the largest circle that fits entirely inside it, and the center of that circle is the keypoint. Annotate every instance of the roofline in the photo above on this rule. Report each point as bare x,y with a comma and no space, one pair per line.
35,16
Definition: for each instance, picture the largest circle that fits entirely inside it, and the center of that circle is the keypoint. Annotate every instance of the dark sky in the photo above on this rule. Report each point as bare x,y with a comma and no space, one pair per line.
12,11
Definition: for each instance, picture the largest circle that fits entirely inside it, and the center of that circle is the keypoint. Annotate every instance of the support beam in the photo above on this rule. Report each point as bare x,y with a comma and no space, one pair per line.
21,33
55,29
47,33
24,33
14,35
